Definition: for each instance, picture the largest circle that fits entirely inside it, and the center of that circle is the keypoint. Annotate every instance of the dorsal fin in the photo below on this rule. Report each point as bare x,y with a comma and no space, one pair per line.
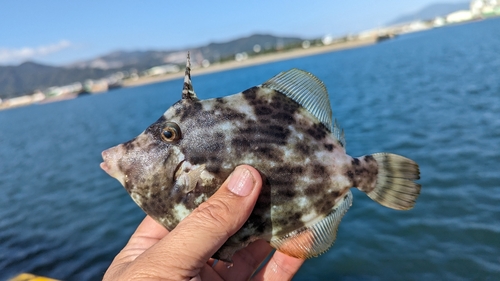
308,91
187,89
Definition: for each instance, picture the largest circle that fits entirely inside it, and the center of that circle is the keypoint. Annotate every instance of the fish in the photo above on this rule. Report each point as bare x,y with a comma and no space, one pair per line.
284,128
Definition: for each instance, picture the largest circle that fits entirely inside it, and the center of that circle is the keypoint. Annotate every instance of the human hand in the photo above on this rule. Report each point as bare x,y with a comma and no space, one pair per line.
153,253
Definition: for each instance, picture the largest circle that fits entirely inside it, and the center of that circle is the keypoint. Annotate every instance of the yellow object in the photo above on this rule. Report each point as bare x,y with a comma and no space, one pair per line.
31,277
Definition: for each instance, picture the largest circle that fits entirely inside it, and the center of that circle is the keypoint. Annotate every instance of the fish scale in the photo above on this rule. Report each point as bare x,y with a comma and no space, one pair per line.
284,129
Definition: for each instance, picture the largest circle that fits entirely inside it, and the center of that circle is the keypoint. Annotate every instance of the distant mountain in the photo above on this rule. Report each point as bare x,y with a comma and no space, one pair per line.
212,52
216,51
29,76
124,59
431,12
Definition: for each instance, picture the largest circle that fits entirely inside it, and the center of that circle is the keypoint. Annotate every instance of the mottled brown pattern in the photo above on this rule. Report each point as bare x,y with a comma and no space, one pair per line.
259,139
318,131
363,173
304,170
329,146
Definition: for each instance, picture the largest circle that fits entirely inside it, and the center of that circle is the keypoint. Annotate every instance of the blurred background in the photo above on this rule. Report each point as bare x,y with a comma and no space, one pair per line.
417,78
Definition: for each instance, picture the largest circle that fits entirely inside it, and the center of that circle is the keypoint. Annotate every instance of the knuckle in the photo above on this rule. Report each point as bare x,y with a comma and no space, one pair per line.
216,213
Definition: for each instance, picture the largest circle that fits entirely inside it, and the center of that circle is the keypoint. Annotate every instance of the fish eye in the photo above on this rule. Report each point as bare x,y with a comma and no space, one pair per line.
171,132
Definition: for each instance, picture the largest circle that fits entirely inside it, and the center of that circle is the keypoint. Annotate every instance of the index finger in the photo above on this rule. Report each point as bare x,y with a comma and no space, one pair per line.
151,229
148,233
279,267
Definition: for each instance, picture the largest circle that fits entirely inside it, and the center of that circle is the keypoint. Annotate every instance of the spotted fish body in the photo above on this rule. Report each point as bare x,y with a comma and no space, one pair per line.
284,129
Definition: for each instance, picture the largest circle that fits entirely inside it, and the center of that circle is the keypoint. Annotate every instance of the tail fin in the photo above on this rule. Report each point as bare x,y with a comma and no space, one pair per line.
389,181
395,187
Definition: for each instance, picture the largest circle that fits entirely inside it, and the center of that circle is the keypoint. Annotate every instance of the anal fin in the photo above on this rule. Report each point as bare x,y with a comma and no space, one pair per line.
312,241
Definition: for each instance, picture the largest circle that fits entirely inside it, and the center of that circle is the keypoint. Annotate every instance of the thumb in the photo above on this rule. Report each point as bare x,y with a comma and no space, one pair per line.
214,221
190,245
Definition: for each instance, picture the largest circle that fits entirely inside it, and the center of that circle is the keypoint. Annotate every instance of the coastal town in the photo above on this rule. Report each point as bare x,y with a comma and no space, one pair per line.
479,10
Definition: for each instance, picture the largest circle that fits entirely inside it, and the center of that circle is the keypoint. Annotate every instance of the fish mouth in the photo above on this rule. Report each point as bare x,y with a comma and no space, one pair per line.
105,167
109,163
111,157
114,174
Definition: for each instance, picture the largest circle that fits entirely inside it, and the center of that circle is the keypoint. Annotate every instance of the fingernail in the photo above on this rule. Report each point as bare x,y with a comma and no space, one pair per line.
241,182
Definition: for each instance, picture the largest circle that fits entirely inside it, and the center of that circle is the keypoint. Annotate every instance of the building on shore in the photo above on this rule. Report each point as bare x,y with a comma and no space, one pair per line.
22,100
95,86
459,16
163,69
485,8
74,88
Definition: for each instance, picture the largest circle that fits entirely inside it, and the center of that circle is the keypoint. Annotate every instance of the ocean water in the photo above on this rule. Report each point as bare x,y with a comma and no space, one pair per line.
433,96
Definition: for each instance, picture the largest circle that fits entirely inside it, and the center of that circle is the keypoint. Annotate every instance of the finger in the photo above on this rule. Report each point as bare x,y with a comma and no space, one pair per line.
151,229
279,267
211,262
207,273
195,239
245,261
148,233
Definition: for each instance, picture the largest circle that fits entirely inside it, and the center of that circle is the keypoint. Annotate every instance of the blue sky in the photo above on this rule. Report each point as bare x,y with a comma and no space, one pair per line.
59,32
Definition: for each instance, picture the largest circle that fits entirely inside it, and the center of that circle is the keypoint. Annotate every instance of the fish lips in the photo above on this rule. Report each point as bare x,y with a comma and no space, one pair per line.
111,157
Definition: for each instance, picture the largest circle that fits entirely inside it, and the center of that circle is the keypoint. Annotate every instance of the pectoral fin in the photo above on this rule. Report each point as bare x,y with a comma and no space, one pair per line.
189,180
314,240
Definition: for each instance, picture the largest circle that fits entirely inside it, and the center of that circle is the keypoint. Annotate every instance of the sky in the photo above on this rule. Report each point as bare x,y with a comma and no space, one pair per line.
59,32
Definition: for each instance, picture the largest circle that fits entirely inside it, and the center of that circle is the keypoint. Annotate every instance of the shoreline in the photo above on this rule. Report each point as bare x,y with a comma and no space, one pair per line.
228,65
262,59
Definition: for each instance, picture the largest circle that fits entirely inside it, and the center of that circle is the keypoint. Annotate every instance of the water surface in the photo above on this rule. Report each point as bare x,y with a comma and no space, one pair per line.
433,96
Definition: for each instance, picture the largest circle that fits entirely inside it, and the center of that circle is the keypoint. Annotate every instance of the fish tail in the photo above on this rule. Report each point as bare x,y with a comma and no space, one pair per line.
388,179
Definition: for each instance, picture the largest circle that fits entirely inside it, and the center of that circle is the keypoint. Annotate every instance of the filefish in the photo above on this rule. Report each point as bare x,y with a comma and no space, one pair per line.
284,129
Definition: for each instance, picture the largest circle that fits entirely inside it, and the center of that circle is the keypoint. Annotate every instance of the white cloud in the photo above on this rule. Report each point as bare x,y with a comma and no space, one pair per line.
26,53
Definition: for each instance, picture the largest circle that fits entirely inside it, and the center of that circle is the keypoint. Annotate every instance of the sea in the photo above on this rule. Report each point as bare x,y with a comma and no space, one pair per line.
433,96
